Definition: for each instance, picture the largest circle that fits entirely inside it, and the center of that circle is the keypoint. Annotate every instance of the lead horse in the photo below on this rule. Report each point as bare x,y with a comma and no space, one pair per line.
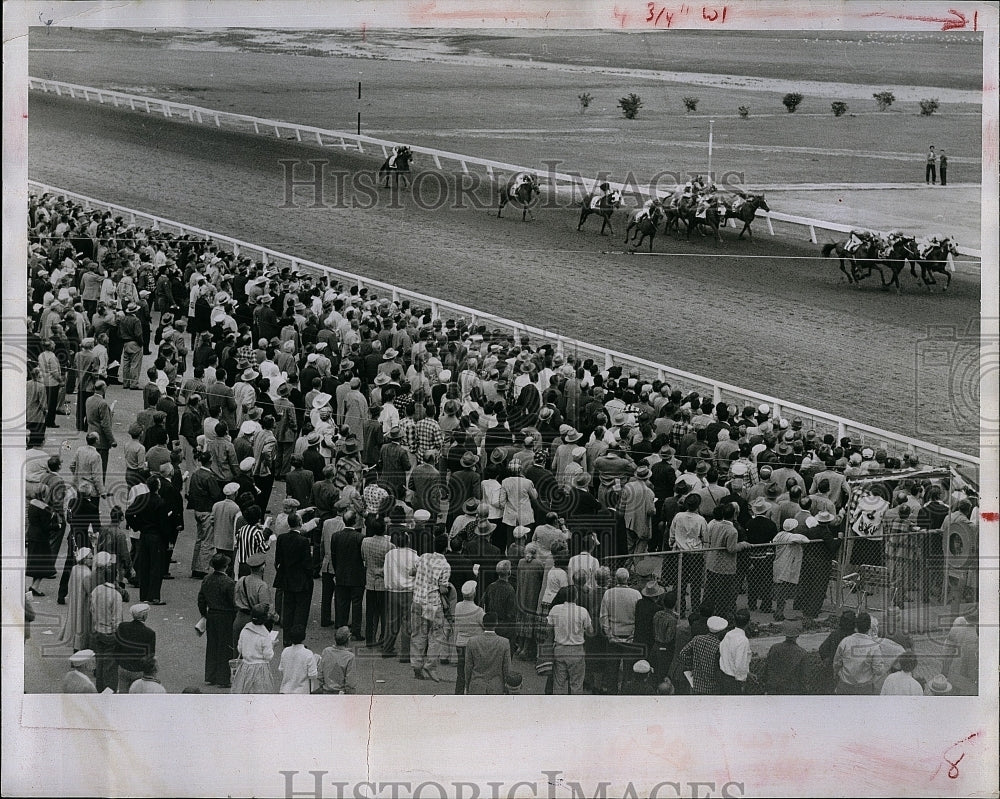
397,166
606,206
644,227
940,259
747,211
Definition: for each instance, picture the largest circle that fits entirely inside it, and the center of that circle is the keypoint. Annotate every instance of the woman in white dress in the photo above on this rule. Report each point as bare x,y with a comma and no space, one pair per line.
256,649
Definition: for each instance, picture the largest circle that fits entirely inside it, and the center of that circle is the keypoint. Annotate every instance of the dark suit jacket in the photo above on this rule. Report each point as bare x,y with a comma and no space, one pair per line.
99,421
293,562
487,663
478,549
345,557
133,641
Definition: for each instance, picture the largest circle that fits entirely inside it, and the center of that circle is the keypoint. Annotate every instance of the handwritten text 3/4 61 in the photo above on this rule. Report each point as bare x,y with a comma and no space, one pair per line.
662,16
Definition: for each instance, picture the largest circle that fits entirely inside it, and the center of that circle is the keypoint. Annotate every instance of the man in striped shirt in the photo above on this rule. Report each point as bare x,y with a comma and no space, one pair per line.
251,538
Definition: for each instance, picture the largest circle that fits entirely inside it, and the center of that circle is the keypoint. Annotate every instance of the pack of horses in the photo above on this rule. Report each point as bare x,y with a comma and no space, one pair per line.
875,256
643,226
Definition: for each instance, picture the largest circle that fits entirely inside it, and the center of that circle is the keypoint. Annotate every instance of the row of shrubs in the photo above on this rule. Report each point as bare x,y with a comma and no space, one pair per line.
631,104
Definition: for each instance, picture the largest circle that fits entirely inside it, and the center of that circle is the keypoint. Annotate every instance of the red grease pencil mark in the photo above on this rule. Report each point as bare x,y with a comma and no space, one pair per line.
956,22
990,516
948,754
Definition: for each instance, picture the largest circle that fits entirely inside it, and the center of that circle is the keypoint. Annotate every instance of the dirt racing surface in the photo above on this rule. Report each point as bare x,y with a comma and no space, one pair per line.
769,315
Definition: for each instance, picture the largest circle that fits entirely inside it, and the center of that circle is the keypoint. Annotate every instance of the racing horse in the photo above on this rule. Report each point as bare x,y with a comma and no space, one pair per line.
715,216
605,207
866,257
940,258
900,249
646,226
746,212
520,192
397,166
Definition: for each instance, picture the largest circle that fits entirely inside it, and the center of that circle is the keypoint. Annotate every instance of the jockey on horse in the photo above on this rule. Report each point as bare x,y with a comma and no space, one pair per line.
522,179
646,210
599,194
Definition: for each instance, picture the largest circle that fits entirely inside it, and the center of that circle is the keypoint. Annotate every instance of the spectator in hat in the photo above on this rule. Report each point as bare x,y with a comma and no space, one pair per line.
223,524
646,609
216,605
394,462
700,657
817,564
349,567
80,677
637,507
203,493
134,641
299,480
787,567
688,534
468,622
487,660
939,686
785,662
250,591
293,575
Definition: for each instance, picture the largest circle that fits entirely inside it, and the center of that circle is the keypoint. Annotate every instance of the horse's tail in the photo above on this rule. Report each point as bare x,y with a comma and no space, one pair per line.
828,248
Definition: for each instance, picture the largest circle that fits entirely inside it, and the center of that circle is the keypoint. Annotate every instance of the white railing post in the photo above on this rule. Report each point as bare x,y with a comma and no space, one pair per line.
319,138
812,234
770,226
256,129
298,134
841,430
191,114
147,107
608,360
716,394
435,312
277,134
218,122
437,161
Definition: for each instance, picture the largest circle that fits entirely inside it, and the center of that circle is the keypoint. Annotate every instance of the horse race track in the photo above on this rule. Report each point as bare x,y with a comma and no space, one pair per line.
768,315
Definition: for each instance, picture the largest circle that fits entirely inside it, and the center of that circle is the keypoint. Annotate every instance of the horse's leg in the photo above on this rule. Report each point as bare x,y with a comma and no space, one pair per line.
629,230
946,285
846,273
502,203
583,216
651,237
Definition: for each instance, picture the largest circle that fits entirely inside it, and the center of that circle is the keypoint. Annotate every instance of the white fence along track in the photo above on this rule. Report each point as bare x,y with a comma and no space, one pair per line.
821,421
310,134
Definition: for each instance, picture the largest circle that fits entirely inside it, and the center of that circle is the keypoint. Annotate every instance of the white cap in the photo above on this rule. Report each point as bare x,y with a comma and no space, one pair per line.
421,515
81,657
642,667
469,588
521,532
247,463
789,525
231,489
716,624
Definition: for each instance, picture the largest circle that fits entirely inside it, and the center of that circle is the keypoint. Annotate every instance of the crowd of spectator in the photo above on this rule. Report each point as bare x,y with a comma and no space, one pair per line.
461,494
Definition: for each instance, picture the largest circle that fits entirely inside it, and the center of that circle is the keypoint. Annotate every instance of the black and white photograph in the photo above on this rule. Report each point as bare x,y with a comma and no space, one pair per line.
640,358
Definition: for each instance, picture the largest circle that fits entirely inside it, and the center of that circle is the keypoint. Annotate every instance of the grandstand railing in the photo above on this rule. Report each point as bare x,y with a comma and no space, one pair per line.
821,421
309,134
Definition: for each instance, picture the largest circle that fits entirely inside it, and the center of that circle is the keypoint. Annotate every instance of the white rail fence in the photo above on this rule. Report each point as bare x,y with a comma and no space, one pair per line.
820,421
309,134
